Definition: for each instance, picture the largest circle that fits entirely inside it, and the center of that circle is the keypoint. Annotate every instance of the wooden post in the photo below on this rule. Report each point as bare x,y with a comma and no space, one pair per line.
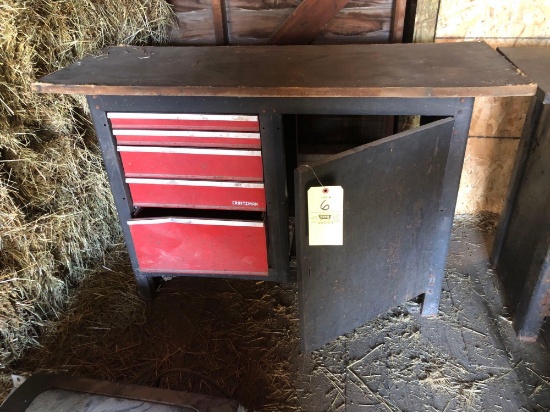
398,21
220,22
426,21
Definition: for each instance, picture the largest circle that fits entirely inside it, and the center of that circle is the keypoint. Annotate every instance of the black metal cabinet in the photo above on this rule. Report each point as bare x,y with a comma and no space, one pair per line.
399,198
399,190
521,253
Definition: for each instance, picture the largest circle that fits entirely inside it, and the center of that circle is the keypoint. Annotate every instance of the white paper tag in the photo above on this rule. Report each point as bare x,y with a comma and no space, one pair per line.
326,215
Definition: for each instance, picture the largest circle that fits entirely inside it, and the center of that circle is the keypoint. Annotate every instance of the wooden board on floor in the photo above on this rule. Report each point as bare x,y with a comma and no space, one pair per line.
396,70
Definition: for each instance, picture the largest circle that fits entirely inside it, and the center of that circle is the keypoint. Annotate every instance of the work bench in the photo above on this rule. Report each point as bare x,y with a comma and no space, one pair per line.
211,153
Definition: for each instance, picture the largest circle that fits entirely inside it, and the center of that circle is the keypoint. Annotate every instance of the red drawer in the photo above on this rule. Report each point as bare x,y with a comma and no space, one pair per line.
215,164
177,121
200,246
197,194
187,138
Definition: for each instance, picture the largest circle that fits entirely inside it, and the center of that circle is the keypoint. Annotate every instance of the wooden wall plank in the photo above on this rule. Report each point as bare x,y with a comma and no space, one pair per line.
425,21
254,21
253,26
264,4
358,24
195,22
189,5
306,21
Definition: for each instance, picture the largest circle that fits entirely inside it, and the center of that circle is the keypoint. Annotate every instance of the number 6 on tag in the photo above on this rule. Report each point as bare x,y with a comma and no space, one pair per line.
326,215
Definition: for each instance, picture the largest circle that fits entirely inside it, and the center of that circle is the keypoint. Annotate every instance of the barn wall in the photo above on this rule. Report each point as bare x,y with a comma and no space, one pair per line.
253,21
497,123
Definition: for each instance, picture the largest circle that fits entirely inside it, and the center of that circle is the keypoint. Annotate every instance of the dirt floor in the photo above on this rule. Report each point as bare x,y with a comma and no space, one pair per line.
240,339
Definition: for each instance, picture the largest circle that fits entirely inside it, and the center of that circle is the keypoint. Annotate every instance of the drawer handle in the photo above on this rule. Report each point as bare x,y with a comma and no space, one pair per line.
185,150
186,221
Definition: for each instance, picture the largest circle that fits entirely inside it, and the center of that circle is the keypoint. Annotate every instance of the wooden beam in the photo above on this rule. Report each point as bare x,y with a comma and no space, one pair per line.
440,70
426,21
307,20
398,20
220,22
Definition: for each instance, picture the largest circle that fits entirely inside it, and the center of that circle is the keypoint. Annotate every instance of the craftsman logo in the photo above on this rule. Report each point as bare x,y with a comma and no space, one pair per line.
243,203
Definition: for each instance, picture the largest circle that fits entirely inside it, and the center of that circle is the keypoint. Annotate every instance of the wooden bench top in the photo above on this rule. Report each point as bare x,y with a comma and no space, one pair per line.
385,70
535,63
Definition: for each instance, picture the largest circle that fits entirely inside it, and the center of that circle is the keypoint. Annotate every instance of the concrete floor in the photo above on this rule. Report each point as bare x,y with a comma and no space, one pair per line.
466,359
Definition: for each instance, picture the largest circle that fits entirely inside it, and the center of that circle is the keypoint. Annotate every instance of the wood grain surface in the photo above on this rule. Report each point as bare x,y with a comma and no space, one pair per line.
306,21
254,21
395,70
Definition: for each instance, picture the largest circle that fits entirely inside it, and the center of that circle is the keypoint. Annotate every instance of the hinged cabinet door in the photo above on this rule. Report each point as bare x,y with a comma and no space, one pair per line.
391,231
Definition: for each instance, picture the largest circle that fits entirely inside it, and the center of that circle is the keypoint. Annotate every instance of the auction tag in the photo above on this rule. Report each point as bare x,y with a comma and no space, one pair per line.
325,207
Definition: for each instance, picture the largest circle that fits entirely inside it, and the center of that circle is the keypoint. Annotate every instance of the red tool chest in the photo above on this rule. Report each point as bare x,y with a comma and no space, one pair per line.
200,162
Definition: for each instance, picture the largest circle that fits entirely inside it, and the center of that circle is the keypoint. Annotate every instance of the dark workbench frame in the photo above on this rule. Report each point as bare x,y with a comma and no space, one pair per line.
270,111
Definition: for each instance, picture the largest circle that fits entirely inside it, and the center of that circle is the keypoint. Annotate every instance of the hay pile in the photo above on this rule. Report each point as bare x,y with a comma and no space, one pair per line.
211,336
56,212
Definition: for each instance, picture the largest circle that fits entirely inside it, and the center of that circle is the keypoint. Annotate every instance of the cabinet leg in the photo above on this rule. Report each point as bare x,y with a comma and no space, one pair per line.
528,330
430,306
146,288
530,313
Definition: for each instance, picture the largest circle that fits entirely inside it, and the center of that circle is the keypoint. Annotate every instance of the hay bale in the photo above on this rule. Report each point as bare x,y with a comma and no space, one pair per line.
29,290
56,212
41,36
